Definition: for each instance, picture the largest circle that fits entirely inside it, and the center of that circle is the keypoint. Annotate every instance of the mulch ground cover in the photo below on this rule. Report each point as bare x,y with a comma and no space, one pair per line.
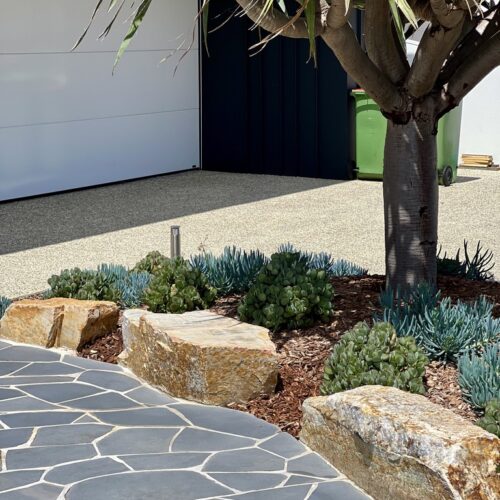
302,353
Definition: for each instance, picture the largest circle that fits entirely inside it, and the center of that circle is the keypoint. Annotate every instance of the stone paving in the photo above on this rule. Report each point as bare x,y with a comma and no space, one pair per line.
76,429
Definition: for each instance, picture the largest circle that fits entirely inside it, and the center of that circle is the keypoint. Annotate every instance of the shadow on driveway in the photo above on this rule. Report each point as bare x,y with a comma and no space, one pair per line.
58,218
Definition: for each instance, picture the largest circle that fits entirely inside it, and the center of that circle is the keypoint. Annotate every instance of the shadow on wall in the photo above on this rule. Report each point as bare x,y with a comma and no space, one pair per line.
52,219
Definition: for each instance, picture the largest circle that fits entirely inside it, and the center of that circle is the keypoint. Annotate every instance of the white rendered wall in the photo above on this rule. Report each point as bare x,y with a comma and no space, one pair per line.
66,122
480,133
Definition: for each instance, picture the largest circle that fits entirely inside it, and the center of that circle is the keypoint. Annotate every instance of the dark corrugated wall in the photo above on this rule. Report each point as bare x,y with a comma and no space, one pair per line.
272,113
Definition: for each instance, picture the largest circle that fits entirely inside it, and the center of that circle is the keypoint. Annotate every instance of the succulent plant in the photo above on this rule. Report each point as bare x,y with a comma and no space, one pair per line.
443,329
401,309
343,267
177,287
234,271
478,267
491,420
70,282
4,304
288,293
110,282
326,262
479,375
152,263
132,288
375,356
449,330
98,287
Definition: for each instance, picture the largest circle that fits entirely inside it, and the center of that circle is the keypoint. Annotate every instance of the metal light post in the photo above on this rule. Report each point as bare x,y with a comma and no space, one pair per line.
175,242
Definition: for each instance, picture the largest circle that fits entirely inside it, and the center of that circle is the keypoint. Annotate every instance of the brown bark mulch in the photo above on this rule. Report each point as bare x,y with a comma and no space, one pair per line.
105,349
302,353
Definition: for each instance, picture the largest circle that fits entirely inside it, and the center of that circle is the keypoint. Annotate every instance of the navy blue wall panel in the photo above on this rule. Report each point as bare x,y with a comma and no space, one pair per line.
274,112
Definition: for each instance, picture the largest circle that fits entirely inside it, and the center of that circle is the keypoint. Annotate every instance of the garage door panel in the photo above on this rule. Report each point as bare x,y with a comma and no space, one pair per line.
36,26
62,87
50,158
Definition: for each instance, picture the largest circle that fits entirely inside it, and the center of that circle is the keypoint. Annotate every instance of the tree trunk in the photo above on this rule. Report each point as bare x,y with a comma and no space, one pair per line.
410,202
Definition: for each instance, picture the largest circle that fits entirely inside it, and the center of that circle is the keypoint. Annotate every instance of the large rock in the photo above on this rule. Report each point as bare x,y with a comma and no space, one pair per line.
200,355
398,445
58,322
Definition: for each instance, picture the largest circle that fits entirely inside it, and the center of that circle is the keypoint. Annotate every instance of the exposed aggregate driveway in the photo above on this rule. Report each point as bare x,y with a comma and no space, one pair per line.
76,429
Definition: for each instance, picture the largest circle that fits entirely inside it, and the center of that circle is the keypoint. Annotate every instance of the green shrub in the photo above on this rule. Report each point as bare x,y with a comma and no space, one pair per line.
375,356
4,304
177,288
289,294
235,271
133,287
109,282
449,330
152,263
326,262
402,309
478,267
479,375
443,329
83,285
491,420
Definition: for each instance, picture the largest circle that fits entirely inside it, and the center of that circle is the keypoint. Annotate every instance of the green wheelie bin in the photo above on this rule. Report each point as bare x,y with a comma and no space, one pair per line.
371,128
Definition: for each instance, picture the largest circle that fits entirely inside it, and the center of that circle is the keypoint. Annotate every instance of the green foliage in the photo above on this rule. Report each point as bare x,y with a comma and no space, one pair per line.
374,356
234,271
133,287
402,309
152,263
83,285
443,329
4,304
479,375
288,293
326,262
449,330
491,420
478,267
177,287
109,282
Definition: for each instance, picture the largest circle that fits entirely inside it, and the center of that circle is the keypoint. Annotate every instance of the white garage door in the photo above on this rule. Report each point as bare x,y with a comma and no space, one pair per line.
66,122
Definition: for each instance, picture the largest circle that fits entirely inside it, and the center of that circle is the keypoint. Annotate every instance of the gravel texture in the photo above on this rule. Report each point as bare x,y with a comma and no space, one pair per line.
122,222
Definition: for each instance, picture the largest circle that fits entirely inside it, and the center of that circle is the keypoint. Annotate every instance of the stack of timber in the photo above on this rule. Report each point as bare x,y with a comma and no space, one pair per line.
478,161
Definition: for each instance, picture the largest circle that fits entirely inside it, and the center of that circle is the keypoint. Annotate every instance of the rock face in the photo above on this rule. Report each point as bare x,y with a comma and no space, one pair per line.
200,355
400,445
58,322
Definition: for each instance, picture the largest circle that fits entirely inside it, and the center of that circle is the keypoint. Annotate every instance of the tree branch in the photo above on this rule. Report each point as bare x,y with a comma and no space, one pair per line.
446,16
339,36
477,31
274,21
381,43
434,48
482,61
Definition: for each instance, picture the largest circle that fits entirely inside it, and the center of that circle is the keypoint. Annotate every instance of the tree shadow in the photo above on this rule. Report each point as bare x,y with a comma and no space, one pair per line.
62,217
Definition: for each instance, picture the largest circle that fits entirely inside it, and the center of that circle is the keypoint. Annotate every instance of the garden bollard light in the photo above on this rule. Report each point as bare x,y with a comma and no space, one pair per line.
175,242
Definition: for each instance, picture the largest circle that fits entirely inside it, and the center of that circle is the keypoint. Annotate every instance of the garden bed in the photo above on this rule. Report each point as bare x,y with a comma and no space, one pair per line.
303,352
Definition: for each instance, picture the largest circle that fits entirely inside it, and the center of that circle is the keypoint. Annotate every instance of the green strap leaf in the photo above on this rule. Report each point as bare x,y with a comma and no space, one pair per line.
134,26
282,6
398,23
310,11
96,9
204,22
407,11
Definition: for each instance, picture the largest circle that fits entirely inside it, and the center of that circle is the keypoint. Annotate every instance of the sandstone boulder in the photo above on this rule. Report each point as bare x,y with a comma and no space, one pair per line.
200,356
398,445
58,322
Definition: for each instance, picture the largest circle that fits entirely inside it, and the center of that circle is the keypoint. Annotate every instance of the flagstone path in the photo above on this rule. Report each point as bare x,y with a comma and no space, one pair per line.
72,428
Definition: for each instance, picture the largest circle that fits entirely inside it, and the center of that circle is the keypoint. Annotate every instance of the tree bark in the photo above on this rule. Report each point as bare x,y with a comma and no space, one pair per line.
411,202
